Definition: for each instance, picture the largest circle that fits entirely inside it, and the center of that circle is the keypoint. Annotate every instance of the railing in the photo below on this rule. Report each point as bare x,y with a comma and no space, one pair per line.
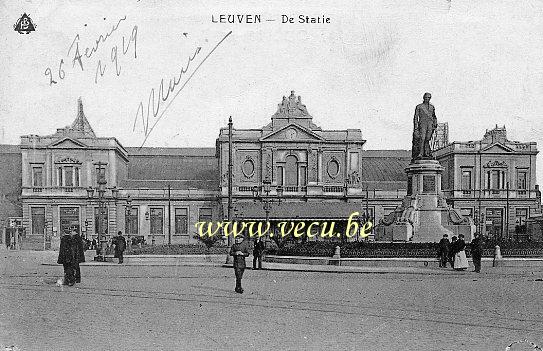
245,189
332,189
492,193
291,189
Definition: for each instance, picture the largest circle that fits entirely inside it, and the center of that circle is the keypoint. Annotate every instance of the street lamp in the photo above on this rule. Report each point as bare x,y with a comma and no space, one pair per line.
101,190
266,199
128,213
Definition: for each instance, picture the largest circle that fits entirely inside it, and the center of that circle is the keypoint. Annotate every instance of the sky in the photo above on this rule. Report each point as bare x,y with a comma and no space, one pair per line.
366,69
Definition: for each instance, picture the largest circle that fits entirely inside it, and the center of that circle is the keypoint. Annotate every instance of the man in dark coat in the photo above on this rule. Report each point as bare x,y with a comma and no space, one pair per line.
78,254
239,250
452,250
120,246
258,250
444,251
66,258
477,252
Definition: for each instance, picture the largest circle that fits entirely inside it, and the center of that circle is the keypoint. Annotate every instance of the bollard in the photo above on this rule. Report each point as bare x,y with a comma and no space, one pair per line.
498,259
336,259
337,254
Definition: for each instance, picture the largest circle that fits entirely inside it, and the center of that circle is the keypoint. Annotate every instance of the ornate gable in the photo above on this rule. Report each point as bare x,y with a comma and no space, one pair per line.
67,143
292,132
497,148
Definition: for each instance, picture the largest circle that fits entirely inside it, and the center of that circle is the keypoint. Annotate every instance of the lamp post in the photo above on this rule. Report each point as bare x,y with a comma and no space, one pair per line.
266,199
128,213
101,190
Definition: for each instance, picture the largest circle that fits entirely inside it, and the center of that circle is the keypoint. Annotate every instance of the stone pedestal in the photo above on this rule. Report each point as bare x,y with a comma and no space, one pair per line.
424,215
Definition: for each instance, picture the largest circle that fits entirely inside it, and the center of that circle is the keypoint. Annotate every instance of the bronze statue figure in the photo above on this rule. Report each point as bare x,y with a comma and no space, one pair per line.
424,125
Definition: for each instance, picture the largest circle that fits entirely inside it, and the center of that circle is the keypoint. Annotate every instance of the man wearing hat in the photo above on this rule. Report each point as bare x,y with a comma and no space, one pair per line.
444,251
239,250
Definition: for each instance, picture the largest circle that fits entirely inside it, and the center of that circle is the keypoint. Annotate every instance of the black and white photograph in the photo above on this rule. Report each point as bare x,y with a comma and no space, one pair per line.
280,175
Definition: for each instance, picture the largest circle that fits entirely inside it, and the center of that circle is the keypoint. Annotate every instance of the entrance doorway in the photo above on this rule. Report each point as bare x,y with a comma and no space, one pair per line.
494,223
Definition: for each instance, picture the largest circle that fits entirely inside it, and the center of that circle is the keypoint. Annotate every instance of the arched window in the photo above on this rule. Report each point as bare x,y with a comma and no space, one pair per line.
291,171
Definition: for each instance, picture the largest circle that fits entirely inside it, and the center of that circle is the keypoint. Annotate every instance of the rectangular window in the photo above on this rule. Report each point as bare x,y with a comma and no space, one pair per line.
466,180
37,176
522,183
68,176
97,220
157,220
204,215
181,221
131,221
38,220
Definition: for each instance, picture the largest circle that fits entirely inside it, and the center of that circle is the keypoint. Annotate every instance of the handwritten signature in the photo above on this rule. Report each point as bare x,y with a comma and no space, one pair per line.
88,52
154,103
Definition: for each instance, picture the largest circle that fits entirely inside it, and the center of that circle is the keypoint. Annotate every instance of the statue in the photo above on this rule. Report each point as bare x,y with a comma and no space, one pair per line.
424,125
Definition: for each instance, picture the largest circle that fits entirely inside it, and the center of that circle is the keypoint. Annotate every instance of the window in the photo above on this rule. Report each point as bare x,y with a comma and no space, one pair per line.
522,177
466,179
204,215
291,171
37,177
97,220
38,220
181,221
68,176
495,179
157,220
131,222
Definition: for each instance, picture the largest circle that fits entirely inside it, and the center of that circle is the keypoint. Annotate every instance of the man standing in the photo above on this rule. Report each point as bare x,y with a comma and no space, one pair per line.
477,252
444,251
424,125
239,250
258,250
78,254
120,246
65,258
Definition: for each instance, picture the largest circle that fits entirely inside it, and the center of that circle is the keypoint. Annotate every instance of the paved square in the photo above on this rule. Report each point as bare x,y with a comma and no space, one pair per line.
195,308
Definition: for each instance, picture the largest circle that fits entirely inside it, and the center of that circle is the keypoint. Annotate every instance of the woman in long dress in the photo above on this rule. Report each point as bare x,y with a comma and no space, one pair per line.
460,259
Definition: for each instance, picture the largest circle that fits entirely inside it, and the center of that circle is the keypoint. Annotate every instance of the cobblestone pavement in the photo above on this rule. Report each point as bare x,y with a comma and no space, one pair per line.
195,308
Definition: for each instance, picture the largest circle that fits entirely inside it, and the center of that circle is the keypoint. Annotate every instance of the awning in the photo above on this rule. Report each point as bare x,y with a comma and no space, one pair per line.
296,210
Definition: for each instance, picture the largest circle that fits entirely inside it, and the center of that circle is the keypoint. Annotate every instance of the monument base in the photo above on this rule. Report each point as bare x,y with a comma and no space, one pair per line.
424,215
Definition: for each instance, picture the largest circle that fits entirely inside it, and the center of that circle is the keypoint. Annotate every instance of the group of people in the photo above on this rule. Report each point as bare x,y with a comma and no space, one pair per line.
240,250
72,253
454,252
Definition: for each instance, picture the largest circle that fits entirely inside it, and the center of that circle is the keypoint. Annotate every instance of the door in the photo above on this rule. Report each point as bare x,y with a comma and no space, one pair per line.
494,222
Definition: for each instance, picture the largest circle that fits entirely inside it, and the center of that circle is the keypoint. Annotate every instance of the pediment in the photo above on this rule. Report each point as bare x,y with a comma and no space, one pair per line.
67,143
292,132
497,148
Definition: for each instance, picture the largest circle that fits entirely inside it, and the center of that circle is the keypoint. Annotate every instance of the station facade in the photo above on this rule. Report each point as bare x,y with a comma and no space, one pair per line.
288,170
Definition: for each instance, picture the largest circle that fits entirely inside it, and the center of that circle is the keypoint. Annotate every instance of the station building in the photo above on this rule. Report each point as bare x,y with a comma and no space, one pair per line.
288,170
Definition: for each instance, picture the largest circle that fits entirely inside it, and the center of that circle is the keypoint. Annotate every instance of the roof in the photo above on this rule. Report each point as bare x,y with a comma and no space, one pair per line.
183,168
171,151
385,165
